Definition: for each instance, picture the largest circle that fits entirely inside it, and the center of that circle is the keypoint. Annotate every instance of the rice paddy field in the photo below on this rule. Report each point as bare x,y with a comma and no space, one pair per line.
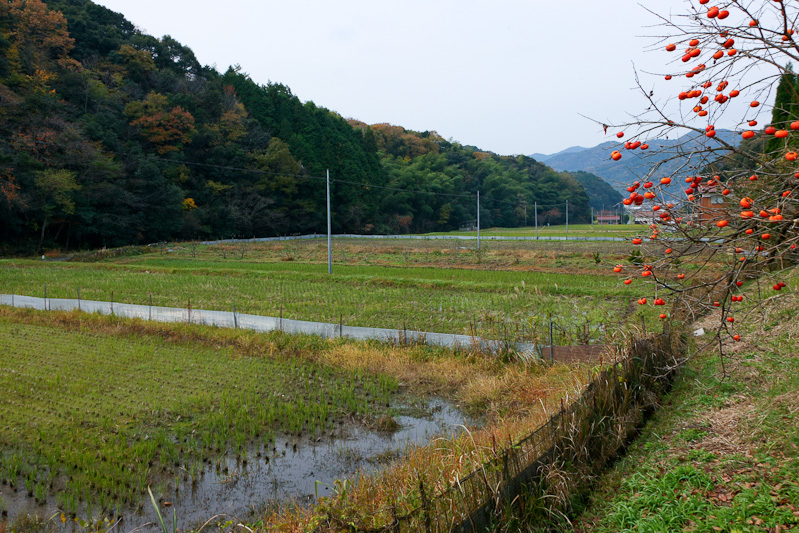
97,418
505,290
573,230
96,409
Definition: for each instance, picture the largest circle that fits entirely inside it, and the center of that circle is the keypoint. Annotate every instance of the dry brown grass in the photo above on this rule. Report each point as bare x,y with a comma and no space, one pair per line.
372,498
475,381
376,501
505,255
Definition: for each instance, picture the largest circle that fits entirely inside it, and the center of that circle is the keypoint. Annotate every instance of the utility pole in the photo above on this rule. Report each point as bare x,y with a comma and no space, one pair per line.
478,220
592,218
535,207
567,219
329,230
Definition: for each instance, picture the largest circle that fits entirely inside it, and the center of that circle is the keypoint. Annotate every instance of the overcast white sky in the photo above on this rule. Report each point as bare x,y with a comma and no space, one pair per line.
508,76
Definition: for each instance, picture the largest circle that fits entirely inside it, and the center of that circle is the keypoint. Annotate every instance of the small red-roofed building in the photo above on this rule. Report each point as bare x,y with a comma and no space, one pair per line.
608,217
711,202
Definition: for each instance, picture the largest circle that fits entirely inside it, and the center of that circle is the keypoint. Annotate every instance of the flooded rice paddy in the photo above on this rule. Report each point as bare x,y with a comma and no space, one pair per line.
285,471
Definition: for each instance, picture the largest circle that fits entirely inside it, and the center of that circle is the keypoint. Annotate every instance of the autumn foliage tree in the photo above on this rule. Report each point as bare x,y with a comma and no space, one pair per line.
729,214
9,192
39,40
166,128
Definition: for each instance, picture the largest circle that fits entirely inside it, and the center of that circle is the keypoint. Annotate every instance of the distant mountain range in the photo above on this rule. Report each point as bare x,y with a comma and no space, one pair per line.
574,149
634,163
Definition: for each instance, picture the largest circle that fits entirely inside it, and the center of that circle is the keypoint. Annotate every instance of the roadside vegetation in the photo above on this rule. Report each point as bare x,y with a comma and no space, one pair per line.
722,454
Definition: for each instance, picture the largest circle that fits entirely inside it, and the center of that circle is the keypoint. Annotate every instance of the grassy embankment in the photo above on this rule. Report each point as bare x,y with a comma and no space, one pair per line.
723,452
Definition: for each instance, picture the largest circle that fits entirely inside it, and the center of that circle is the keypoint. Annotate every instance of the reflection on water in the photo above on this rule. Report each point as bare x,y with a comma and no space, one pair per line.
287,469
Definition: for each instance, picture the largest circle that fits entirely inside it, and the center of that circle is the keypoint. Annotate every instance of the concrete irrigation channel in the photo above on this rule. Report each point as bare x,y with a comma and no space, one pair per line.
232,319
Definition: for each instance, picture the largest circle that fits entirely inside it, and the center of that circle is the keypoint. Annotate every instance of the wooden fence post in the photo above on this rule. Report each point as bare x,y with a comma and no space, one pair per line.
425,507
395,526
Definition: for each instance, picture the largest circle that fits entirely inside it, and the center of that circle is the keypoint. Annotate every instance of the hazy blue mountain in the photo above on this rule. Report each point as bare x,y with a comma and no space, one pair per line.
541,158
634,163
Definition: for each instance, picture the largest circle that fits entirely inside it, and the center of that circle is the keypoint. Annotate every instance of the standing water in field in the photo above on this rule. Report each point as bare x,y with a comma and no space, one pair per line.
287,469
310,469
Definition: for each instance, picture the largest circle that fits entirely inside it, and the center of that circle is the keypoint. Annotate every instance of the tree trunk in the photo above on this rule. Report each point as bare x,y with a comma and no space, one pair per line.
41,239
69,231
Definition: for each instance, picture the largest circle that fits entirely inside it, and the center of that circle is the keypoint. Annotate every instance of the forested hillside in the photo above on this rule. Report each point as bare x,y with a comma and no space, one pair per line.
509,185
601,194
109,136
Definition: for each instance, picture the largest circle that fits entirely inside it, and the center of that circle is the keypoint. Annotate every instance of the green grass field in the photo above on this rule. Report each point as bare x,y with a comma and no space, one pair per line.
505,292
574,230
86,426
95,409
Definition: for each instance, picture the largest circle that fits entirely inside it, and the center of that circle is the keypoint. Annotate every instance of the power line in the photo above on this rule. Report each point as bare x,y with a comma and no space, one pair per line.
370,186
288,175
467,195
191,163
540,205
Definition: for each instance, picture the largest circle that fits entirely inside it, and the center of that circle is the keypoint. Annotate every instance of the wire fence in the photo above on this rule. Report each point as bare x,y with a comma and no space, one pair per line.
533,479
234,319
418,237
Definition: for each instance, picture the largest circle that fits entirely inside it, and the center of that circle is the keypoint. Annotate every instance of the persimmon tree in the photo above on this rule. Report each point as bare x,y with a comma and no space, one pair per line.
728,214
